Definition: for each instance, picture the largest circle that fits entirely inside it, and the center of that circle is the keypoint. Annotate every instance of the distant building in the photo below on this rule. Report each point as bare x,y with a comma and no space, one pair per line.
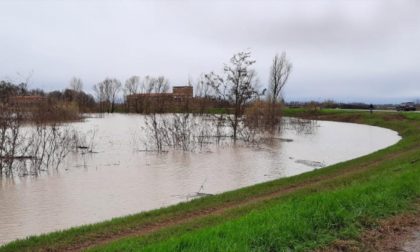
27,102
182,92
179,99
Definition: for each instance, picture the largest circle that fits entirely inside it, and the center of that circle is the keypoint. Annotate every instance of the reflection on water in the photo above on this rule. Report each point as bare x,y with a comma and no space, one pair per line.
117,179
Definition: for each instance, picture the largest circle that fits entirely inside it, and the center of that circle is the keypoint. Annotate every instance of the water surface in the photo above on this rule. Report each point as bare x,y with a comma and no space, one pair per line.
121,180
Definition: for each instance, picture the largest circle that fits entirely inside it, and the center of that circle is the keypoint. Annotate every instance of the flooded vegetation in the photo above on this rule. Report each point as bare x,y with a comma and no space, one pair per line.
28,149
68,158
119,164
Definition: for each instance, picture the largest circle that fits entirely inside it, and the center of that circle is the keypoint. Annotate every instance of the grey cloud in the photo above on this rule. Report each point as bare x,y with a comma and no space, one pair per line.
357,42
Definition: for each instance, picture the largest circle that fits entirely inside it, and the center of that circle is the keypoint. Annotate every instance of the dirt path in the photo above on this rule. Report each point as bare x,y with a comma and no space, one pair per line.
397,233
221,209
413,243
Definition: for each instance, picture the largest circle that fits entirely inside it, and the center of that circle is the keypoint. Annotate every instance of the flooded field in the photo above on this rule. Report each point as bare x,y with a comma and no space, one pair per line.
120,177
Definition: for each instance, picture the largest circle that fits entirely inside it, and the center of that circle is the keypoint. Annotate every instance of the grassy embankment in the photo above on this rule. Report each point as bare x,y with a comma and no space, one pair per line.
303,212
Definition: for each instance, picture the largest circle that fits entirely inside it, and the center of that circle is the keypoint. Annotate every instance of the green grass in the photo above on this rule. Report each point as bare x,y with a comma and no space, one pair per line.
337,207
300,223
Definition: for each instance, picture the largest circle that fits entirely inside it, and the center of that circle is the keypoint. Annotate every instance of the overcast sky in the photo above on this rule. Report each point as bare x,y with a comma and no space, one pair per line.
365,51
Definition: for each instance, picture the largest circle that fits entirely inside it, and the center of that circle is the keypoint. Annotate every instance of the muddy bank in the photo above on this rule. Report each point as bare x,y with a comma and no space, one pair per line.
398,233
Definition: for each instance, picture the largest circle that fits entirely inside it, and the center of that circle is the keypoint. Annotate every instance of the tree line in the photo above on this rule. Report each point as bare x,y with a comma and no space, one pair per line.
236,85
48,143
253,114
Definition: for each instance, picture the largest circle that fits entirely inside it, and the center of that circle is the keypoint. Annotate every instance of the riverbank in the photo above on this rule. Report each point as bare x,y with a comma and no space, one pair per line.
311,210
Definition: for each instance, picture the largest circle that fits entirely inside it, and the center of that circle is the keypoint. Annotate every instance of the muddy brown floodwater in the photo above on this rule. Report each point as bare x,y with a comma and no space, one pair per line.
120,180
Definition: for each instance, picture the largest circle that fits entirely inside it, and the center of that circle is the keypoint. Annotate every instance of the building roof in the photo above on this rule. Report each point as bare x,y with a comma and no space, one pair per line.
182,87
27,98
151,95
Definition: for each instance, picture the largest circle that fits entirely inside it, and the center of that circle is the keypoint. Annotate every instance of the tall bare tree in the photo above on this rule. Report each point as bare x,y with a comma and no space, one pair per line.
99,90
160,85
11,140
114,89
76,87
107,92
147,84
157,85
76,84
238,86
132,85
279,74
206,85
203,91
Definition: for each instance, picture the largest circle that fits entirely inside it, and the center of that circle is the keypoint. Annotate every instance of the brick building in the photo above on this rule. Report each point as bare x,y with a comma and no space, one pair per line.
182,92
27,102
179,100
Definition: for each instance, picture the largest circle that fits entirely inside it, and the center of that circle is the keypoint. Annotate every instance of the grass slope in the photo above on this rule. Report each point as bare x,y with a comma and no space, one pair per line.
297,224
300,213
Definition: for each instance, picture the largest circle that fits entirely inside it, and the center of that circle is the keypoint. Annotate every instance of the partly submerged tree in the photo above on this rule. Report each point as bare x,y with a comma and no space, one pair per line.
238,86
279,74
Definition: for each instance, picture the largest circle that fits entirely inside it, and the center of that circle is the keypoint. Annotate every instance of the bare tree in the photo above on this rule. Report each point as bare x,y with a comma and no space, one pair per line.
206,85
156,129
147,84
240,85
11,140
99,90
207,91
279,74
101,95
156,126
155,85
30,150
76,84
215,84
107,92
132,85
161,85
113,88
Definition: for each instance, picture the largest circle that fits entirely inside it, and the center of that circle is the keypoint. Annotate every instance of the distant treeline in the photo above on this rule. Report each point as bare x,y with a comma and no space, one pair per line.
312,105
40,106
236,87
328,104
84,101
